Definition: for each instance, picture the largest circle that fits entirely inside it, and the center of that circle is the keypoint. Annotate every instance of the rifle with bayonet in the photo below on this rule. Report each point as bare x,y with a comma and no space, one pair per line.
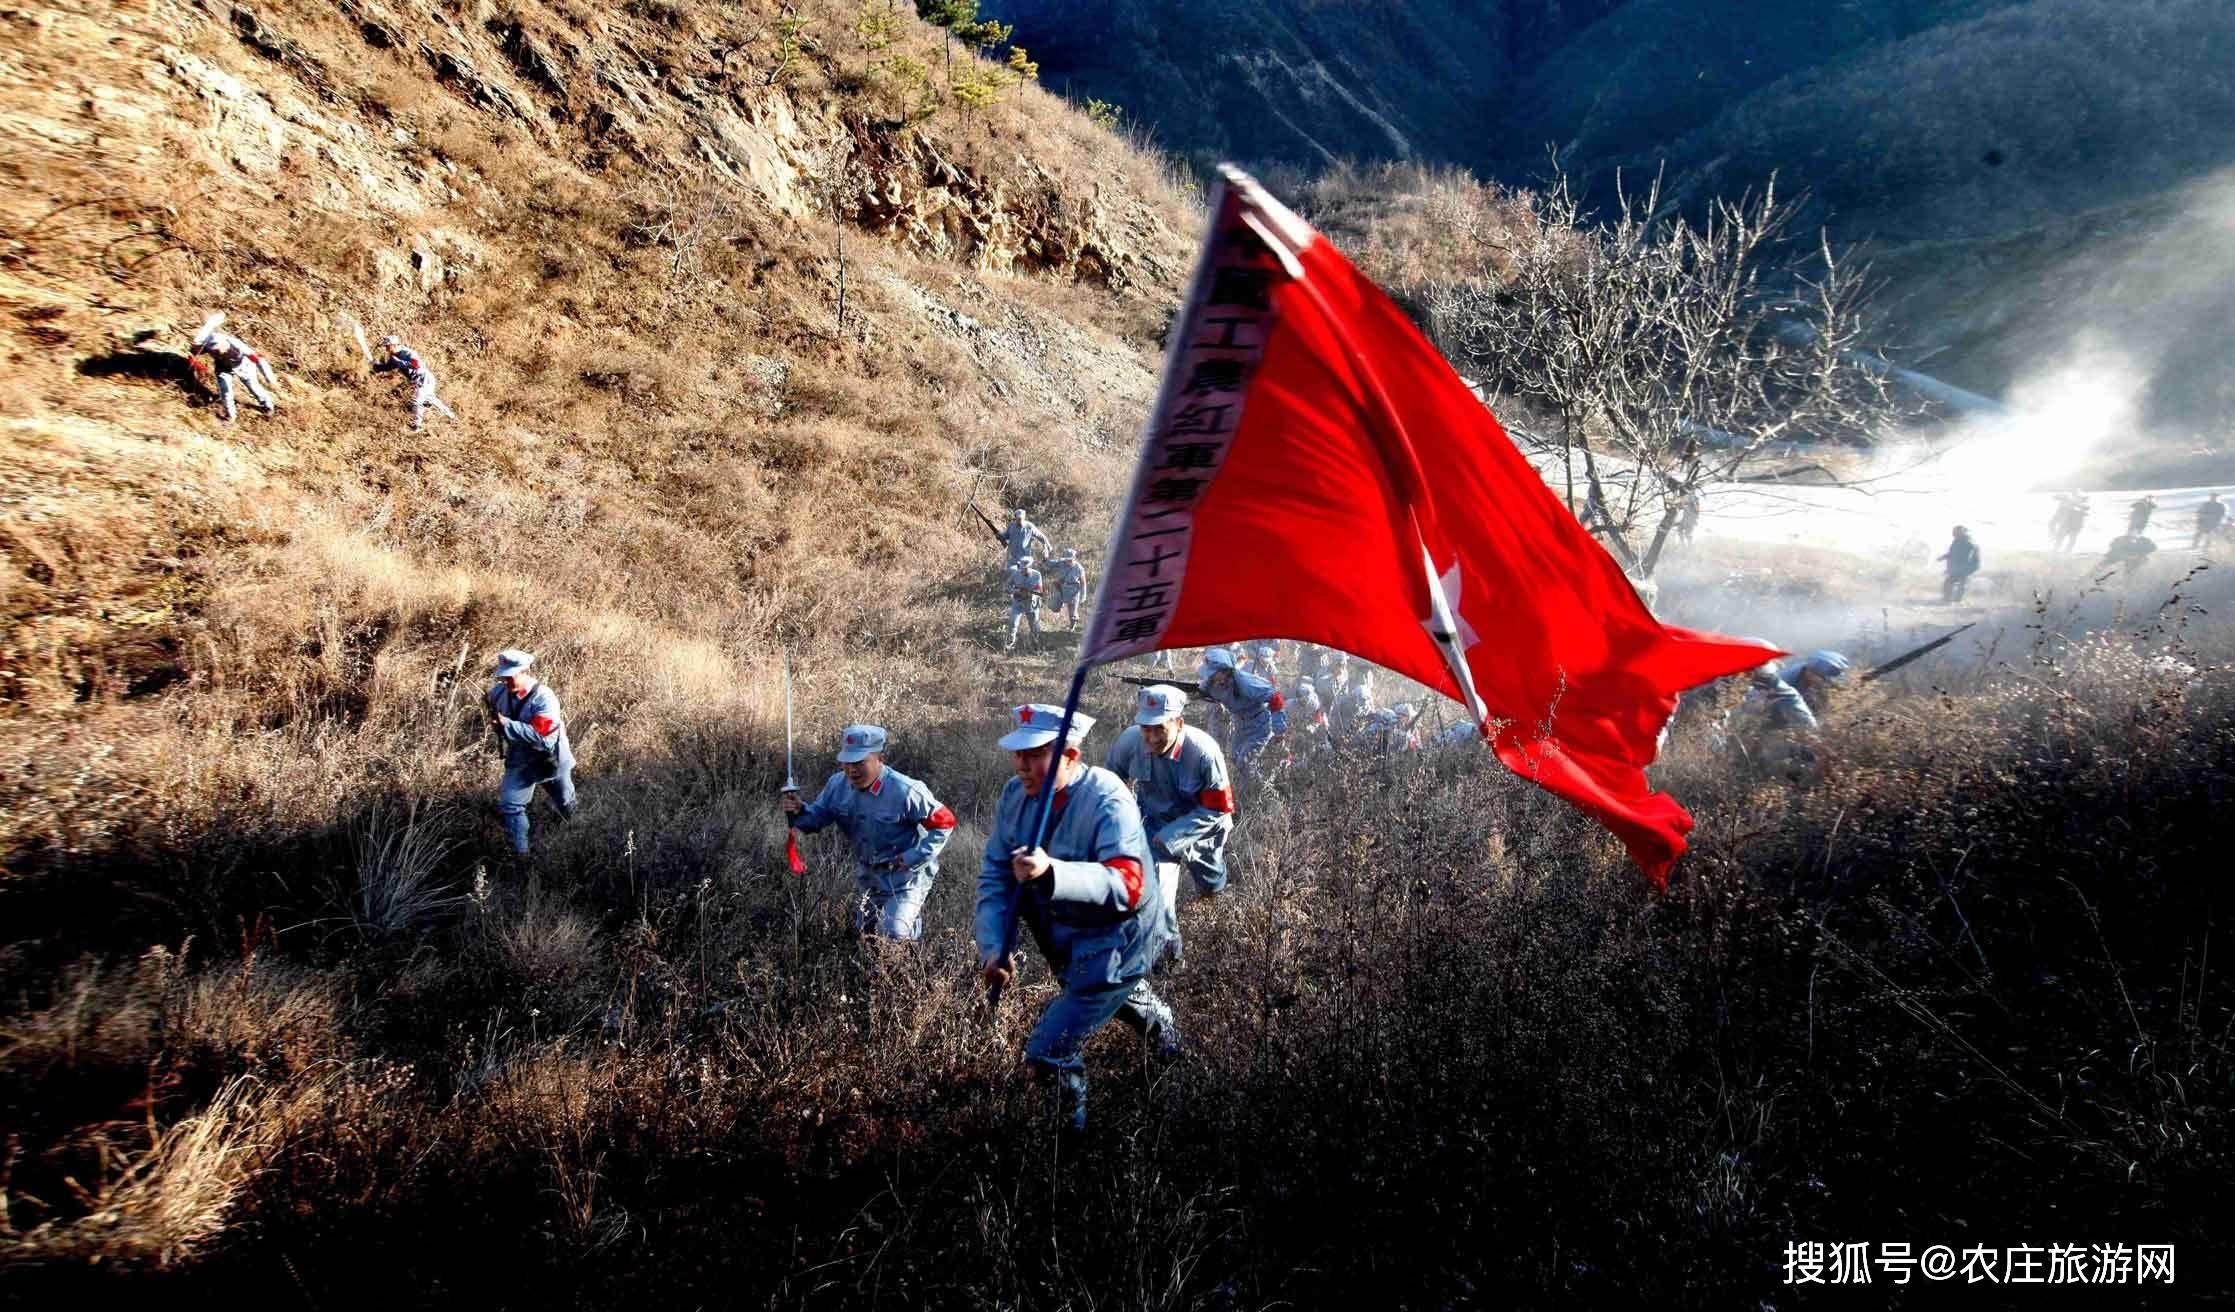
1138,682
1915,653
991,527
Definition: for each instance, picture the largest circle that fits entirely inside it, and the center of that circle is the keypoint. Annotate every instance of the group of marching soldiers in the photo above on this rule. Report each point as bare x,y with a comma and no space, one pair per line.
1098,891
2127,551
2131,548
1026,584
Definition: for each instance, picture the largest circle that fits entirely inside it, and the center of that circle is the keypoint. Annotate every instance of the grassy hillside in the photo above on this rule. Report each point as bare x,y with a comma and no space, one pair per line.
279,1019
622,239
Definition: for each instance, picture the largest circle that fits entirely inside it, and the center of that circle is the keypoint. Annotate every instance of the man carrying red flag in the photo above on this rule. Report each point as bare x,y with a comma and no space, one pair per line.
1306,433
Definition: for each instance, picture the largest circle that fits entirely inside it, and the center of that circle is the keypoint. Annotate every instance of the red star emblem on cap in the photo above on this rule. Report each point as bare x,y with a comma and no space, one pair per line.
1024,715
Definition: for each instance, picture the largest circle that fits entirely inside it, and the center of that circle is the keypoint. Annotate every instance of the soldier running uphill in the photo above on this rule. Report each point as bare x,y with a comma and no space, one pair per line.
234,362
526,715
1025,590
1090,897
1772,726
1259,710
1815,676
1070,587
898,829
1307,714
1017,539
395,357
1392,731
1347,715
1179,780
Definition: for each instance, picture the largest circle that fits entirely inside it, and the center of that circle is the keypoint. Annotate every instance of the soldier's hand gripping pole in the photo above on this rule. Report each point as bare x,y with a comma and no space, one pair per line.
1045,809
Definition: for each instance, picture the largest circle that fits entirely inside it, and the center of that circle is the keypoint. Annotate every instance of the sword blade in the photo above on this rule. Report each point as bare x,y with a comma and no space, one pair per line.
790,784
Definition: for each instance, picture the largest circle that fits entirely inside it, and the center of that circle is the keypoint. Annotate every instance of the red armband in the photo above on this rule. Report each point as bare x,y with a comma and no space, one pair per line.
1217,799
1129,870
940,819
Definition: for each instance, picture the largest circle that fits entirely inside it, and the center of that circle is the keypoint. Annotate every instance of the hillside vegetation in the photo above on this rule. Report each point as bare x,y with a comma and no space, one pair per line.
620,237
280,1021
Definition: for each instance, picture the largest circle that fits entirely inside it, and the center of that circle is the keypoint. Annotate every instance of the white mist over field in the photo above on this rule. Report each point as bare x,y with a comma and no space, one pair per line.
1996,475
2149,310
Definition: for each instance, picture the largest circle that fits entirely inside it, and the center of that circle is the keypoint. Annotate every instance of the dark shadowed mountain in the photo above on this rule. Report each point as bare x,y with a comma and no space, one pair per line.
2014,167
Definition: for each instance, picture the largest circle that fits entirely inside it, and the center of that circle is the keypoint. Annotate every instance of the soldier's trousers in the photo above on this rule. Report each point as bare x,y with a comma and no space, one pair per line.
1067,605
893,911
518,789
1058,1042
1198,843
1019,613
1249,743
247,374
422,396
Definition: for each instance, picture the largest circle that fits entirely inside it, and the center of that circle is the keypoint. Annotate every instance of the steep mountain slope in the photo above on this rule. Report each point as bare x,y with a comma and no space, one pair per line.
1286,81
731,346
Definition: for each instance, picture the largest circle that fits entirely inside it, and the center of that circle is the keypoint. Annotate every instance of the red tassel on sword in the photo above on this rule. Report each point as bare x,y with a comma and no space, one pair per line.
791,785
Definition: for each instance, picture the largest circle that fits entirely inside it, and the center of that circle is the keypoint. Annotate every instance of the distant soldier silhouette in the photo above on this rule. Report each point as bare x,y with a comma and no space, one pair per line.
2138,514
1962,557
2128,550
2065,525
2209,517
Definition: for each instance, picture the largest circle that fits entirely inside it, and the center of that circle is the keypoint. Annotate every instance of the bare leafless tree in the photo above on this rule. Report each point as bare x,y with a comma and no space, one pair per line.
1673,352
687,211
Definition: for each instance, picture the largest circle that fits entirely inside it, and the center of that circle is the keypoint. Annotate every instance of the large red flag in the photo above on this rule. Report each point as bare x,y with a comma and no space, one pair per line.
1315,470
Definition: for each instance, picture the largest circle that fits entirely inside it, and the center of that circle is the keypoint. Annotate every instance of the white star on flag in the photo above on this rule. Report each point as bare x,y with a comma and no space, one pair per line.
1447,624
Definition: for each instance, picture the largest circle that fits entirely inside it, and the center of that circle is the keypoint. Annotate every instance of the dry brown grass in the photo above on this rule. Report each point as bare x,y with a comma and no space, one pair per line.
374,1060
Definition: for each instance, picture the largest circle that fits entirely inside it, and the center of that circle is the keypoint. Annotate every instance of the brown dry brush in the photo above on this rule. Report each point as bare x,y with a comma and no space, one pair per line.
1443,1046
